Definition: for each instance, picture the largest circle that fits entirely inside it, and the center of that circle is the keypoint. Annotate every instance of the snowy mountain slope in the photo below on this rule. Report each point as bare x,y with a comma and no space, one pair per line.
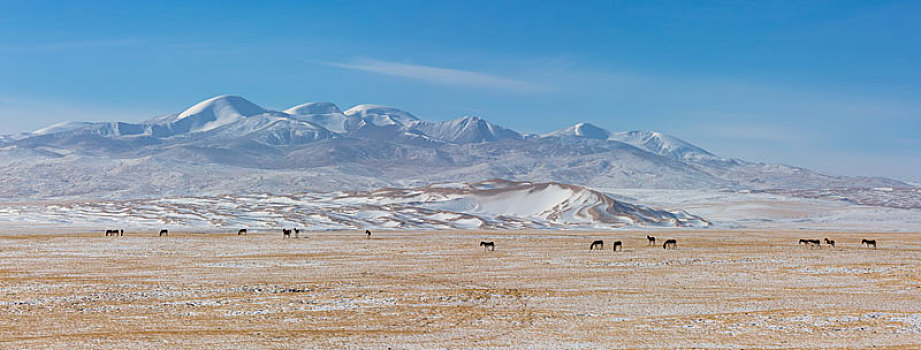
663,144
311,108
321,148
585,130
215,112
654,142
61,127
485,205
466,130
903,198
381,116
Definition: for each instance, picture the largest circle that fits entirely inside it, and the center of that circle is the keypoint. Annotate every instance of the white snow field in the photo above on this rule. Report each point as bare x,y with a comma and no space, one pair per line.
495,204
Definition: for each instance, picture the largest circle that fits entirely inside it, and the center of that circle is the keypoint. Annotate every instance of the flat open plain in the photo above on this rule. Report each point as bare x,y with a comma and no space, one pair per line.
539,289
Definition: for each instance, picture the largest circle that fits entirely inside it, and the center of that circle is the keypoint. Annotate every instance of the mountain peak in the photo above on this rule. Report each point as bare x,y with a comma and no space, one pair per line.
217,111
583,129
467,129
662,144
61,127
224,104
381,115
312,108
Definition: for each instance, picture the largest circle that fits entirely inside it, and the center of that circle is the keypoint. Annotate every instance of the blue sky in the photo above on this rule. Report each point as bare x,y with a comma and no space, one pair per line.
832,86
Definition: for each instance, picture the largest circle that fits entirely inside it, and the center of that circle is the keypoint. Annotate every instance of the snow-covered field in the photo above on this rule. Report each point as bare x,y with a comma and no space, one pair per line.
485,205
64,289
760,210
493,204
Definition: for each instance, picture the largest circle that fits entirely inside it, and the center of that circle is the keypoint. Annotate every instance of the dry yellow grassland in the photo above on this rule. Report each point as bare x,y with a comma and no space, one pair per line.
539,289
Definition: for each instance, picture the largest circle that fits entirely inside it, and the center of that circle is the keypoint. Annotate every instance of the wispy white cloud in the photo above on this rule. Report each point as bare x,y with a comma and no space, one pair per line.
438,75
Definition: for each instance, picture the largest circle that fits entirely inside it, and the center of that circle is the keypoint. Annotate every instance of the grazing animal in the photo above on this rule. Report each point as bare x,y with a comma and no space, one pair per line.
488,246
115,232
670,243
286,233
598,243
830,242
297,233
811,242
869,242
368,232
109,232
651,239
241,232
164,232
618,244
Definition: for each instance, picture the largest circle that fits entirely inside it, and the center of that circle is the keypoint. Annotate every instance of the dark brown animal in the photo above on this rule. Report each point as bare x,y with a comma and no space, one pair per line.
618,244
869,242
111,232
670,243
368,232
598,243
297,233
285,233
241,232
811,242
164,232
830,242
488,246
651,239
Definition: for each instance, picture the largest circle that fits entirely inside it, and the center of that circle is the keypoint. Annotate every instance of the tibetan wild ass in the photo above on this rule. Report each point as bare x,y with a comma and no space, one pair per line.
115,232
598,243
670,243
811,242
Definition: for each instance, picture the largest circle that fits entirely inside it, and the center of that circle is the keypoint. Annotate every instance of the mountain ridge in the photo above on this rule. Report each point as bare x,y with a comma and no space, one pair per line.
318,145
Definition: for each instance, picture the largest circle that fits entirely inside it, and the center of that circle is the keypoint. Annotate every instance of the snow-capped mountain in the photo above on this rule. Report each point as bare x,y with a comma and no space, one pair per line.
654,142
228,144
314,108
466,130
61,127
